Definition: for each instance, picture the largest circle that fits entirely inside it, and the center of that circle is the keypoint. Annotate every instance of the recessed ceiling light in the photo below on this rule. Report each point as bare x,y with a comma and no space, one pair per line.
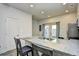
31,6
66,11
49,16
42,12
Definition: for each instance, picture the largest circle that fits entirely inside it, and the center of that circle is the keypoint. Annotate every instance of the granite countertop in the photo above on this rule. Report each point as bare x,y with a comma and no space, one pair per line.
67,46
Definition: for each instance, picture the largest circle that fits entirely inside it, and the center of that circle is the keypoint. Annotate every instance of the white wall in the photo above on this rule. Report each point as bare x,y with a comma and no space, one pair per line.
64,20
13,22
35,28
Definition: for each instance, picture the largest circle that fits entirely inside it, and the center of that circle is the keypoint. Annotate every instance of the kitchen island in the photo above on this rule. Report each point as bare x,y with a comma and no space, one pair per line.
58,48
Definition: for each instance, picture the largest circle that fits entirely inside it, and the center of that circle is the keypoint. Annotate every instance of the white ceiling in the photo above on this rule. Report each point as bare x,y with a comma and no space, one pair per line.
51,9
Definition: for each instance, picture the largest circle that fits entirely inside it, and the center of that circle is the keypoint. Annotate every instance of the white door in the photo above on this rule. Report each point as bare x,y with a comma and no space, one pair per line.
15,27
12,30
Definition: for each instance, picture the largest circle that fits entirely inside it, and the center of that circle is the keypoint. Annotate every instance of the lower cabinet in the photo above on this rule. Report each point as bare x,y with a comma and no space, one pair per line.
59,53
47,52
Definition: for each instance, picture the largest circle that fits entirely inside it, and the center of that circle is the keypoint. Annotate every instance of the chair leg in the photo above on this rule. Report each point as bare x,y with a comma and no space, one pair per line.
27,54
17,54
32,52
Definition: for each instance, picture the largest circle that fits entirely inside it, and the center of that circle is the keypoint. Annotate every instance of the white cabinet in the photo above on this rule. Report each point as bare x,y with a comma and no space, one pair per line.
13,22
2,35
12,31
14,26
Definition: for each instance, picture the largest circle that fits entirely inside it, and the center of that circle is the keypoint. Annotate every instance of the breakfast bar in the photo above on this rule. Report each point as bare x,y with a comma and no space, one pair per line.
55,47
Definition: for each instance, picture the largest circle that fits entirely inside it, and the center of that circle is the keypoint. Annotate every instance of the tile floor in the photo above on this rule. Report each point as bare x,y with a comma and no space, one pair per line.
14,53
9,53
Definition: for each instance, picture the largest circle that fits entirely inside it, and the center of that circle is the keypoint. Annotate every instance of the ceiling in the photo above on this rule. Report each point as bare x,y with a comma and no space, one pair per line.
49,9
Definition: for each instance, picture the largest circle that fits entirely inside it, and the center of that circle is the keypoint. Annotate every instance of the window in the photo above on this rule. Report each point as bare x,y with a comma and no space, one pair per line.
46,33
53,31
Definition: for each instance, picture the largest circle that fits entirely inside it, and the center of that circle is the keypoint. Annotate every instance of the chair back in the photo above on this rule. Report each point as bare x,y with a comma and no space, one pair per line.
18,45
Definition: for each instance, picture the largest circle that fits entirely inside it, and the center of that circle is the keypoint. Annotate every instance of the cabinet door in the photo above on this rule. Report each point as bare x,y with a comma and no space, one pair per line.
14,26
42,50
12,31
59,53
2,35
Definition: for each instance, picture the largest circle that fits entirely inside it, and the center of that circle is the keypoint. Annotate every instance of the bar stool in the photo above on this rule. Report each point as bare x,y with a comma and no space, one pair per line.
22,51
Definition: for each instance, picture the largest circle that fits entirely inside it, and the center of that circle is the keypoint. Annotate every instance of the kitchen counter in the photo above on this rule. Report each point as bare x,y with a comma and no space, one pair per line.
67,46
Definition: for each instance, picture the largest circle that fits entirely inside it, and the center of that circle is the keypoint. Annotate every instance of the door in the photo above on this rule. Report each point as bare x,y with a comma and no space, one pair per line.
12,30
15,26
50,30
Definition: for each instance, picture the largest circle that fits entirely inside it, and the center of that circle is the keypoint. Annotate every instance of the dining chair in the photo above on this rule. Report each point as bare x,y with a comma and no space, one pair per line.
22,51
